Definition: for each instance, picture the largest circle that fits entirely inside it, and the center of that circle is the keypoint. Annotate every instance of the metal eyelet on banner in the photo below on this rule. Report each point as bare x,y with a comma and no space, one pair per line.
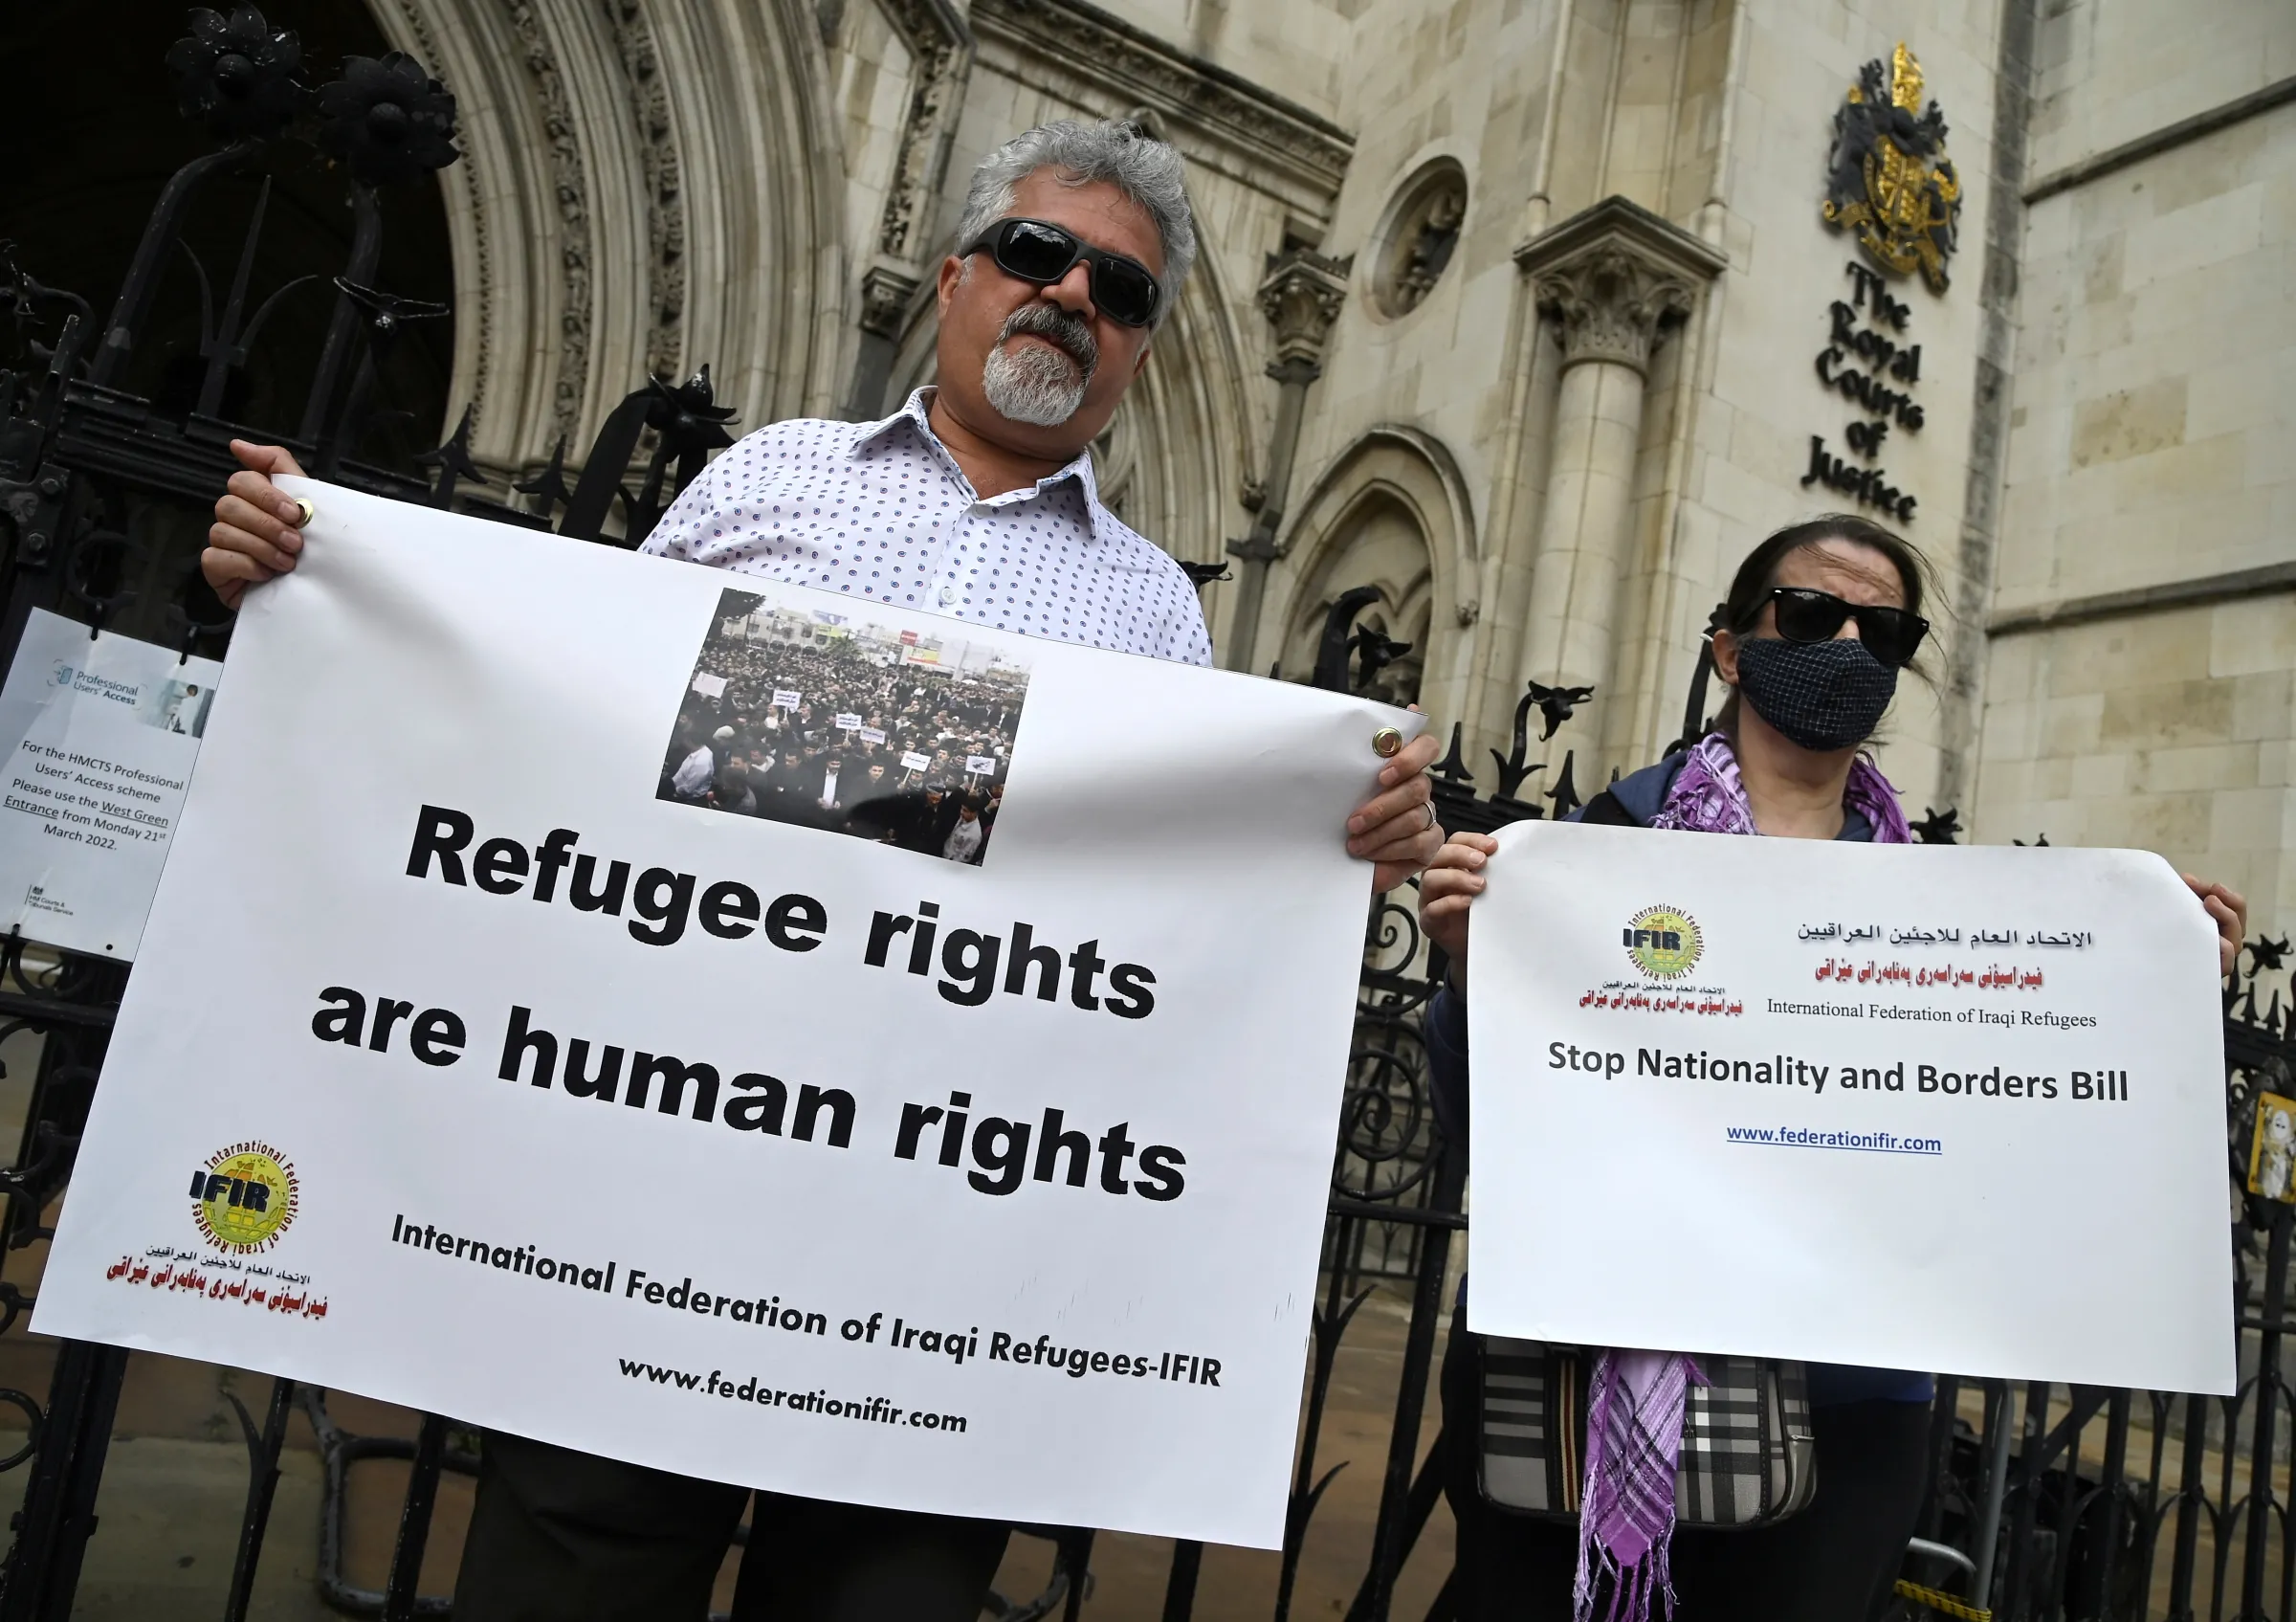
1386,742
306,509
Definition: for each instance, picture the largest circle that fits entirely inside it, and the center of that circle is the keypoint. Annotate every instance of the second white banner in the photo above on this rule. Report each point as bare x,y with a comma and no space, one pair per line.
1904,1107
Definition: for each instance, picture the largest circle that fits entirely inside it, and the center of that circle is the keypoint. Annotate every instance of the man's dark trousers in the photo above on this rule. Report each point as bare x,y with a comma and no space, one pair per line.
559,1536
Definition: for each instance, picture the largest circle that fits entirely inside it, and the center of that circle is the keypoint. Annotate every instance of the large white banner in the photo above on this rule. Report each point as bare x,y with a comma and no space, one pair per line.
823,1128
101,732
1957,1110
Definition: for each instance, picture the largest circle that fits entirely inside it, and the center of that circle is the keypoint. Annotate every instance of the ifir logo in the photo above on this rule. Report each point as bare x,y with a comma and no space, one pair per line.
244,1197
1663,942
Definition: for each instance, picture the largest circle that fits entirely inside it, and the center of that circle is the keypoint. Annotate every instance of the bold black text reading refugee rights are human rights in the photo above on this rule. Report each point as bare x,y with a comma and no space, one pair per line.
1005,1153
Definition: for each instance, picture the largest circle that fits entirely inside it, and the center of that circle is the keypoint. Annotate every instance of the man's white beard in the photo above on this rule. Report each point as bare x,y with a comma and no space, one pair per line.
1039,385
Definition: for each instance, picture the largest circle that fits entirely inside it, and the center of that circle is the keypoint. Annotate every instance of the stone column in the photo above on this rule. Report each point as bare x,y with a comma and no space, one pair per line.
1612,281
1300,296
886,290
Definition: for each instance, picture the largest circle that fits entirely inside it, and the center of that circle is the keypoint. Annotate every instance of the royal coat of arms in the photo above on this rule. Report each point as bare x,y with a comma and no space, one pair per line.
1888,179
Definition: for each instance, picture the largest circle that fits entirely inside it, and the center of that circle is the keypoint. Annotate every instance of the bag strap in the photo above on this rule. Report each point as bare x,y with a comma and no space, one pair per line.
1605,810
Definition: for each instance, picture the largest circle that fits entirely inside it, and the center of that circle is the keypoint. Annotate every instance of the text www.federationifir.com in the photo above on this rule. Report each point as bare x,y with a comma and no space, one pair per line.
714,1384
1803,1138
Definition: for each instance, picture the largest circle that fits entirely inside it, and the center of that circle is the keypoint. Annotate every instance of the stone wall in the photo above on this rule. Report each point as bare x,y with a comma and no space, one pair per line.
1710,117
2140,689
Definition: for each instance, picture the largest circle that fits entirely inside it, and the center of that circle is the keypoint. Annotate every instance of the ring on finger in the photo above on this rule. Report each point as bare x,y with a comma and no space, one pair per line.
1428,806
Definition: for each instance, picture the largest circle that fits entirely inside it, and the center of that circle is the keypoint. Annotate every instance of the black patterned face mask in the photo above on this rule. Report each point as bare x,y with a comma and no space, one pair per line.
1823,695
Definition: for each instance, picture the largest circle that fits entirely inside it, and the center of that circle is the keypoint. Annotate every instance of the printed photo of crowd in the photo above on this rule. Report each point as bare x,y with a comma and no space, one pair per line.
829,720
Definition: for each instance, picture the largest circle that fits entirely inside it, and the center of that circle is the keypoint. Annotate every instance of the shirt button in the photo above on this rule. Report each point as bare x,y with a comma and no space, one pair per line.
949,595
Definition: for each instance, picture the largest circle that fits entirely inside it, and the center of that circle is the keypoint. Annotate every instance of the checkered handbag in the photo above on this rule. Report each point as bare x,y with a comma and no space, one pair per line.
1748,1458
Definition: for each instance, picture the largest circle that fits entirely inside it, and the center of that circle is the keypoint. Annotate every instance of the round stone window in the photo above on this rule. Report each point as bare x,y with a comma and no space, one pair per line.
1417,238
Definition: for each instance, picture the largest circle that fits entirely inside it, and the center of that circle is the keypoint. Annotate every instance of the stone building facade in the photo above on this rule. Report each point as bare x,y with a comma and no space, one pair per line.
1529,314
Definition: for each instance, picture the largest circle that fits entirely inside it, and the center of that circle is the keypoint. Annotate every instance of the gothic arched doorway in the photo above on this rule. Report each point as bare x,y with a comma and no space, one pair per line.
1378,544
1391,512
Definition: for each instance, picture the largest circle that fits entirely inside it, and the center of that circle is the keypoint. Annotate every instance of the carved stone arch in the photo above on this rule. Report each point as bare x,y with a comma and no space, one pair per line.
768,297
642,188
1393,512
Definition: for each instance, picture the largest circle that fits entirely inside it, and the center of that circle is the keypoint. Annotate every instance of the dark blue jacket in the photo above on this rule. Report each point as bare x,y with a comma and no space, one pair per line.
1640,796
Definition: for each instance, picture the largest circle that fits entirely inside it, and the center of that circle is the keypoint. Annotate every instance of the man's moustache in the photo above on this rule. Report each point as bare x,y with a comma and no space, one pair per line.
1065,332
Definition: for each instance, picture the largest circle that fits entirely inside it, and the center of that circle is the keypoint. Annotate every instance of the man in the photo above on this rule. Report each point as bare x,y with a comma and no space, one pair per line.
187,699
690,781
784,796
733,792
976,500
925,823
829,799
965,840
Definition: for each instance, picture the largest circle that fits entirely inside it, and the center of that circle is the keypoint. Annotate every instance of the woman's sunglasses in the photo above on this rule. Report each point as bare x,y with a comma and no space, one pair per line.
1890,636
1124,290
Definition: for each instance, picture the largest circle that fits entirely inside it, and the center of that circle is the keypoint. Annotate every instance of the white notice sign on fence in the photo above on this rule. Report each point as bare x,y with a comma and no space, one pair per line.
103,731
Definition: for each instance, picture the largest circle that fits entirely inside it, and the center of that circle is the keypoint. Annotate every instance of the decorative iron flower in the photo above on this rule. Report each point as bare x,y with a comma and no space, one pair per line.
688,414
388,119
236,75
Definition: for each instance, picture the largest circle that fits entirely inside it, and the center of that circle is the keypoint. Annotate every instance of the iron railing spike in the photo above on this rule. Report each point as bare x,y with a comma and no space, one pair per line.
223,349
1565,793
452,459
1338,625
1452,768
548,487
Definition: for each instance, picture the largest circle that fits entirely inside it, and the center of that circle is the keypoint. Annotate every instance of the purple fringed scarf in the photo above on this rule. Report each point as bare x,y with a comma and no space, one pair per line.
1635,1401
1634,1410
1708,798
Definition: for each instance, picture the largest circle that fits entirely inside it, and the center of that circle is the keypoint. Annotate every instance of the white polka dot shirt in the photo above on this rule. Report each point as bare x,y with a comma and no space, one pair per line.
882,510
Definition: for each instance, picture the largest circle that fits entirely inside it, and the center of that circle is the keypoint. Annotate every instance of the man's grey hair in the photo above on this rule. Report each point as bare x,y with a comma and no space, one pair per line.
1149,171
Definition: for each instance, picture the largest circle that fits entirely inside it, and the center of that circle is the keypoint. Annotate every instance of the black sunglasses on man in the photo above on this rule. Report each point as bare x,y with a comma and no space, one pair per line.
1124,290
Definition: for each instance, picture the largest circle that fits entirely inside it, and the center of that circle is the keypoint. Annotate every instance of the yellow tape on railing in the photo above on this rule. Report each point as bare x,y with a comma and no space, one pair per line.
1946,1604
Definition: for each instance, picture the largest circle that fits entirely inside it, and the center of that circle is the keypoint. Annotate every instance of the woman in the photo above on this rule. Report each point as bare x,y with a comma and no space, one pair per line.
1819,621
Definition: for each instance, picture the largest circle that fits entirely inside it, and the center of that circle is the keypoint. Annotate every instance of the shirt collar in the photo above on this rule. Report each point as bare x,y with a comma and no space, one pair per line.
914,413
